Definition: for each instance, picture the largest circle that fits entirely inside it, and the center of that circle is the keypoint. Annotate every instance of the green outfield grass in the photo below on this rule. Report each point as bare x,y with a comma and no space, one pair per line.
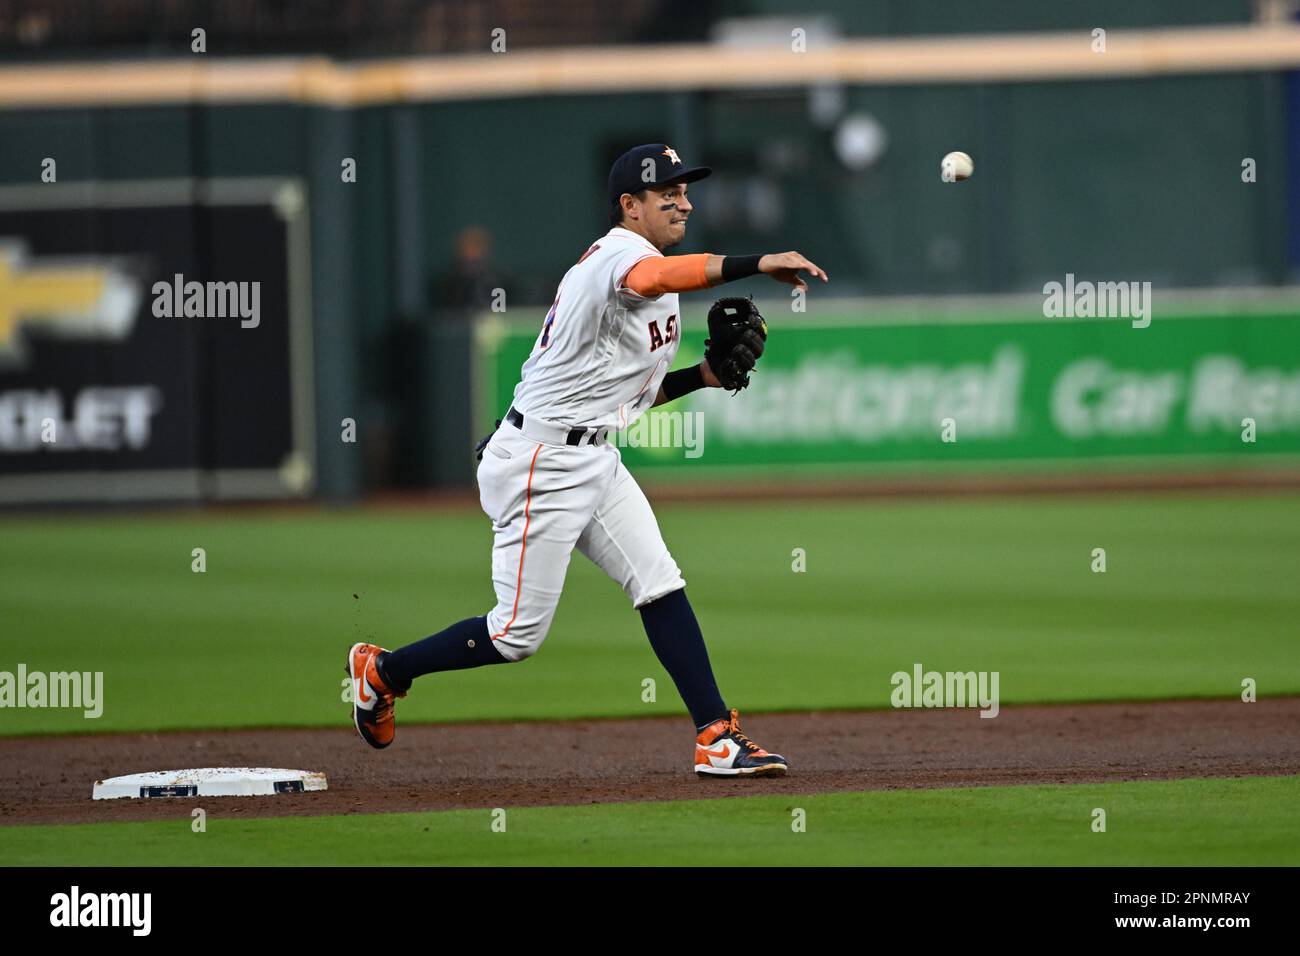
1244,822
1200,592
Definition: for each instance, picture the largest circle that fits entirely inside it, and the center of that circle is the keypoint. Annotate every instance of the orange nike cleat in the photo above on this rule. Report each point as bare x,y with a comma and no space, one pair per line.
372,700
721,750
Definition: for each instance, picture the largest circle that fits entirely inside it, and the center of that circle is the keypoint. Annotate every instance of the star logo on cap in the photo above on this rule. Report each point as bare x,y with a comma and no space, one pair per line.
672,154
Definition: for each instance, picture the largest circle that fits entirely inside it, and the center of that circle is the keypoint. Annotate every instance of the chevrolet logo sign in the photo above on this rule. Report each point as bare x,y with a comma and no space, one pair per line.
84,297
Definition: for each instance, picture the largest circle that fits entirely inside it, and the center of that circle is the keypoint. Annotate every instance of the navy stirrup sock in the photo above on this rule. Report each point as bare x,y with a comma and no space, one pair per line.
465,644
675,636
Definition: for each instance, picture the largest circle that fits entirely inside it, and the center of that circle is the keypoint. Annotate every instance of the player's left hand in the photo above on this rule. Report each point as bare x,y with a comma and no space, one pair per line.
786,266
483,442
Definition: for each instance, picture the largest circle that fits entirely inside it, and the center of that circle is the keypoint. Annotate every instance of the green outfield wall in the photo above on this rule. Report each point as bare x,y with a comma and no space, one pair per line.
928,386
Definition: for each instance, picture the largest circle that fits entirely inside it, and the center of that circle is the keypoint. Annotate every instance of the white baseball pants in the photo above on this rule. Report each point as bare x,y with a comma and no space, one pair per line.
546,498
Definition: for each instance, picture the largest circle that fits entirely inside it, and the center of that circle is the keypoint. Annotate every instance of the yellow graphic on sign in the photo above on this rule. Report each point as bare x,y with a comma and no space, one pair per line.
79,298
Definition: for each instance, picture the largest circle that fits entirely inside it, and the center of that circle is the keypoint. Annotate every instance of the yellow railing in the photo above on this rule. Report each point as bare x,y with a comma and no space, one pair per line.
919,60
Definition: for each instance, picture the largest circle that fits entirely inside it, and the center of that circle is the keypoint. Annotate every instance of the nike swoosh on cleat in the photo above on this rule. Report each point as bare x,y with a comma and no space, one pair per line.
361,687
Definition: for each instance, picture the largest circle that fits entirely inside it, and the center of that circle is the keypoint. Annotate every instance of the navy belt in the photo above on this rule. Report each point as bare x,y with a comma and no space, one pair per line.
575,436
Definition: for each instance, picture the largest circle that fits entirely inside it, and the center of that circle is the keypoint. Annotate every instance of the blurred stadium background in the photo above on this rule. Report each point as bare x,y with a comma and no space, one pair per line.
481,133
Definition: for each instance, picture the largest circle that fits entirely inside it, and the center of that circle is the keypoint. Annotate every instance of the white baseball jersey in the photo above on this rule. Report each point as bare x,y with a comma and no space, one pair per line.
599,361
603,350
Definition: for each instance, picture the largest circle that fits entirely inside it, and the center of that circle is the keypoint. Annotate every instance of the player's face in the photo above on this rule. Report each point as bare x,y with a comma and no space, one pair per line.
665,212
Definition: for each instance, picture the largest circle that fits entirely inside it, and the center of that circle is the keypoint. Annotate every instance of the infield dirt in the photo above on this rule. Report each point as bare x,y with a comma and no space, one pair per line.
444,766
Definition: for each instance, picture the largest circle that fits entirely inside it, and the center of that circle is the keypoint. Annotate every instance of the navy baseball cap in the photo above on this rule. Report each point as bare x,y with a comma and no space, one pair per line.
631,174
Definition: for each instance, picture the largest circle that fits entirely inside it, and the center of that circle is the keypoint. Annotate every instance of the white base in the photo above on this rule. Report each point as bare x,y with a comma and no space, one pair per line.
210,782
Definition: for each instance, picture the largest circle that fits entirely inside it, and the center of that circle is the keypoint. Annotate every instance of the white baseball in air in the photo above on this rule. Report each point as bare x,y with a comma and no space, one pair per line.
956,166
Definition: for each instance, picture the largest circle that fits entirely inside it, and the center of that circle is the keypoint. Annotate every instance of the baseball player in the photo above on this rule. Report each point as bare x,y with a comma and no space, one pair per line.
550,480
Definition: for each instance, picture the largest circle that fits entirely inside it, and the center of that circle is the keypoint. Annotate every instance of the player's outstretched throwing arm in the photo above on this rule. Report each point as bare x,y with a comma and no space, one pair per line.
737,332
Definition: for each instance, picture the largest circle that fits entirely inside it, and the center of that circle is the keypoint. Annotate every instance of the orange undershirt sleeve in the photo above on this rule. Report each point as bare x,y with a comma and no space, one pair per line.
659,274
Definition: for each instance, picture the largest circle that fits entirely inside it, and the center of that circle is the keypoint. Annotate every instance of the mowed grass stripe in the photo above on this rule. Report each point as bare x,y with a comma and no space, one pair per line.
1237,822
1199,593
